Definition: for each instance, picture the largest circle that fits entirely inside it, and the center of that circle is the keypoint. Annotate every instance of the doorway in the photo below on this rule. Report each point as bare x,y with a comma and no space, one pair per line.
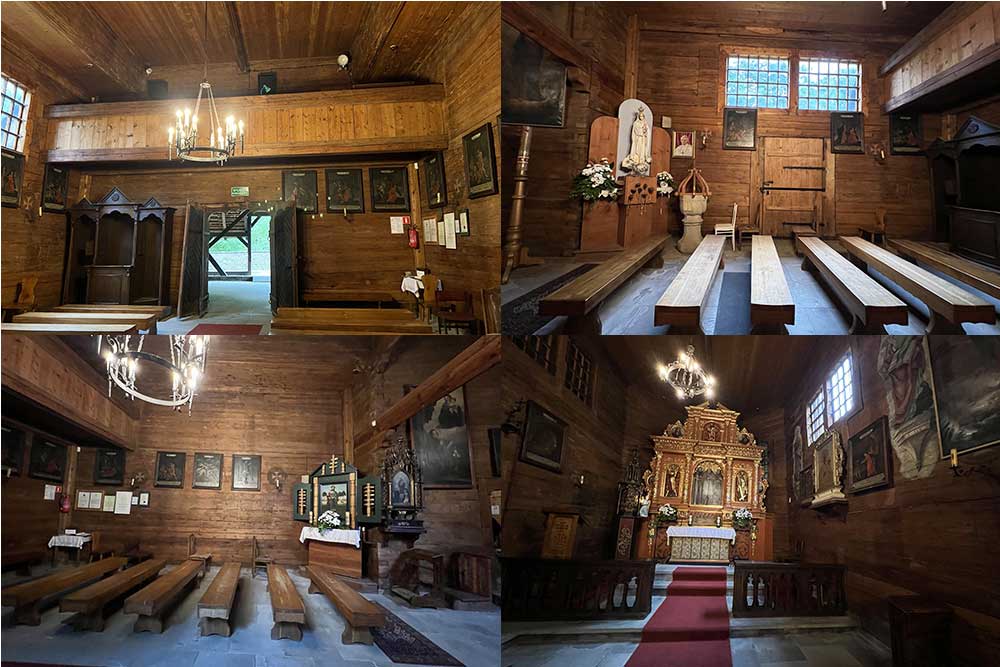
239,262
793,185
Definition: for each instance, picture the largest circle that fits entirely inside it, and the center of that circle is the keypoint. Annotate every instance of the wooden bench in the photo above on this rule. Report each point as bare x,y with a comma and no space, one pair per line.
871,306
90,602
771,305
286,604
360,614
154,601
216,605
69,329
949,304
159,311
578,300
681,303
143,321
975,275
27,598
21,558
347,295
348,320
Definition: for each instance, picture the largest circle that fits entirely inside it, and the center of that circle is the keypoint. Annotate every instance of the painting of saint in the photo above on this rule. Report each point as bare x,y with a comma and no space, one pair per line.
868,458
966,397
533,87
109,467
400,491
55,188
11,176
542,441
739,129
904,367
301,187
390,189
671,487
742,486
170,469
847,132
707,484
480,162
333,496
683,144
13,452
433,173
207,471
344,191
246,472
904,134
440,439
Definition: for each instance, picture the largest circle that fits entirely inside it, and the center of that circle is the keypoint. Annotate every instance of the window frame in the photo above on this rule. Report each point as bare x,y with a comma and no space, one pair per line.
824,390
824,427
754,52
817,55
22,120
591,381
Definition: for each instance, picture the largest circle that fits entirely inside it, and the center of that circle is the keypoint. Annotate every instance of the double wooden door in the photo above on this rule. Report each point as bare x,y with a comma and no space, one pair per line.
793,183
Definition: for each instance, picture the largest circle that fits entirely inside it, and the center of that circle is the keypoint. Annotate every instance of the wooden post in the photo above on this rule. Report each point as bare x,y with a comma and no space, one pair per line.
632,58
416,213
513,257
347,410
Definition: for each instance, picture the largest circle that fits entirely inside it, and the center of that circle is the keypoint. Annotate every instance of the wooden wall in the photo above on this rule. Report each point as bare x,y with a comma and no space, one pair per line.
28,519
768,426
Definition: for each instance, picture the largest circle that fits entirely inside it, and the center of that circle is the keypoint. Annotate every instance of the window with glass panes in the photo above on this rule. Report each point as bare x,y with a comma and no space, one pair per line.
816,417
14,114
579,373
840,390
759,82
540,348
829,84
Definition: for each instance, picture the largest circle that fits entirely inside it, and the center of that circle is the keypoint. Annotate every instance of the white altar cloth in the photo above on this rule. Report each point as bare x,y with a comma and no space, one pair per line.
74,541
337,535
702,531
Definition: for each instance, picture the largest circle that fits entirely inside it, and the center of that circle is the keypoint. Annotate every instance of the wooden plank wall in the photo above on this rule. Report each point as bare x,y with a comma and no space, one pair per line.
768,426
28,519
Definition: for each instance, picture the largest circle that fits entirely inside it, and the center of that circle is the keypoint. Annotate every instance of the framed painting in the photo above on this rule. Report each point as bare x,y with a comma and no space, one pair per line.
683,144
828,469
109,467
439,436
345,191
434,183
11,178
966,397
246,472
334,495
847,132
533,85
207,471
739,129
869,465
55,189
904,134
47,460
170,469
390,188
904,366
542,439
480,162
13,451
300,186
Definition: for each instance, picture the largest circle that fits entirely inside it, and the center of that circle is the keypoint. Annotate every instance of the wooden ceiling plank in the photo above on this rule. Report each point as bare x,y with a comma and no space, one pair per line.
371,37
235,32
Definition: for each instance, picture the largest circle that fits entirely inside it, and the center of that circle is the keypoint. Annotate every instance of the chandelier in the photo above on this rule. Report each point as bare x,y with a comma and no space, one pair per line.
186,365
687,377
184,140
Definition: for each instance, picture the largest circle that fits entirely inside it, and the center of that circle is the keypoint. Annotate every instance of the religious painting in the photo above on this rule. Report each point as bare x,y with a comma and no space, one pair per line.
904,134
246,472
11,178
207,471
711,432
170,469
868,463
480,162
54,191
432,167
390,189
109,467
672,483
828,469
533,82
904,366
683,144
13,452
301,187
47,461
706,484
542,439
739,129
439,436
334,496
966,397
345,191
847,132
742,489
401,490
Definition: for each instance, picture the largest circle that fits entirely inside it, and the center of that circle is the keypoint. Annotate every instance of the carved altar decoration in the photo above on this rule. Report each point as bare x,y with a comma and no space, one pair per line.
402,488
633,501
828,470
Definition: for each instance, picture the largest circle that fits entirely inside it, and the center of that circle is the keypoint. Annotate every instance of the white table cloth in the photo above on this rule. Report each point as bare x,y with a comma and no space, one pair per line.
702,531
75,541
337,535
413,285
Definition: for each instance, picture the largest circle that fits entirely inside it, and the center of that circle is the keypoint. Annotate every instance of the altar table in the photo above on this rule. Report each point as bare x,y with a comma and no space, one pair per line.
338,549
335,535
700,543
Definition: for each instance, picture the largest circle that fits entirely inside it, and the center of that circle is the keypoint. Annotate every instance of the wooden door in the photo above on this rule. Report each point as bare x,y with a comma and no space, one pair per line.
192,299
793,183
284,257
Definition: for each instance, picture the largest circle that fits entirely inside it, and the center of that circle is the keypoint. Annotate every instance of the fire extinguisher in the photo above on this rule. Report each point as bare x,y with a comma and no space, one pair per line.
412,239
64,503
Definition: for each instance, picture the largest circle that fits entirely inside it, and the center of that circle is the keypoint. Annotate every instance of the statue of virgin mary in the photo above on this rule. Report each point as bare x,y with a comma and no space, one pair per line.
638,158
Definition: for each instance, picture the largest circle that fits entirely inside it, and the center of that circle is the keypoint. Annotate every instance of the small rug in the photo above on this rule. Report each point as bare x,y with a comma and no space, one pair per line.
405,645
520,317
226,330
734,305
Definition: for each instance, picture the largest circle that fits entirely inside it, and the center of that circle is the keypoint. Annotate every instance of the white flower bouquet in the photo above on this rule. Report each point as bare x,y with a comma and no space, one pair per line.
327,520
742,517
595,181
665,184
668,512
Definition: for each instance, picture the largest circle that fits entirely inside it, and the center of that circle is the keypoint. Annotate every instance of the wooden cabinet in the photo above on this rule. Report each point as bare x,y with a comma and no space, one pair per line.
975,233
920,632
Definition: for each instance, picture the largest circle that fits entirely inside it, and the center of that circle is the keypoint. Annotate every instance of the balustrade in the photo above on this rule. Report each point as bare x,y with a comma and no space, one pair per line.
788,589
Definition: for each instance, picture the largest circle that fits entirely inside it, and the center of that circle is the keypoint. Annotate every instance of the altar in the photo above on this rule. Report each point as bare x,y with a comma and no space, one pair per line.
700,543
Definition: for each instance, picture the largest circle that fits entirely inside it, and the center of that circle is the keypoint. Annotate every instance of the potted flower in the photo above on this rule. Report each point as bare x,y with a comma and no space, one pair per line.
328,520
664,184
666,514
595,182
742,518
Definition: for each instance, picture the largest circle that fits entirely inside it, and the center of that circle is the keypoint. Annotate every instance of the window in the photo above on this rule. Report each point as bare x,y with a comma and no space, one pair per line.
15,113
827,84
816,417
579,373
840,390
539,348
757,81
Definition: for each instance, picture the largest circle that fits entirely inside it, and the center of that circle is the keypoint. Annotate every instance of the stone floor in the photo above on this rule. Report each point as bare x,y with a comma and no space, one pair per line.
229,302
471,637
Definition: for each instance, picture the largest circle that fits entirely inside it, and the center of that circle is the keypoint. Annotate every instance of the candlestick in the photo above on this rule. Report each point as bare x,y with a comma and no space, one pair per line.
954,458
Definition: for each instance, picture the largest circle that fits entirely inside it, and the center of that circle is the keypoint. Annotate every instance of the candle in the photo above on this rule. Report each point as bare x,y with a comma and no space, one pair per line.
954,458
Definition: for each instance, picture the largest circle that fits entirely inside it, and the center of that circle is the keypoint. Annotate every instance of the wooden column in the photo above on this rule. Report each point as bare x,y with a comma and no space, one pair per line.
69,487
347,417
632,58
416,212
513,256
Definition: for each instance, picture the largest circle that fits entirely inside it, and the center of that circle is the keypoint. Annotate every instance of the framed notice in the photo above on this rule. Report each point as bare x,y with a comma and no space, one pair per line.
560,535
123,502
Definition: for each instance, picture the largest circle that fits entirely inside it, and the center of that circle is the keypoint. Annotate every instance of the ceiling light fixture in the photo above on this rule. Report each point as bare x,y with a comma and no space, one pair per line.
186,366
687,377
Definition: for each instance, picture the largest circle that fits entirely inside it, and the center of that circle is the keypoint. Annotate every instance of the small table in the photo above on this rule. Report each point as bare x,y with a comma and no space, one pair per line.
68,542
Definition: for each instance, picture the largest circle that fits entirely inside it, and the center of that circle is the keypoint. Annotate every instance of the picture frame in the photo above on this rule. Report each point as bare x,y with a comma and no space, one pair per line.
207,471
390,189
462,223
144,499
334,493
683,144
480,162
55,188
11,178
966,400
109,466
828,469
847,132
170,470
47,460
439,437
542,438
904,134
533,87
299,185
739,129
869,465
246,472
267,83
345,190
13,452
435,185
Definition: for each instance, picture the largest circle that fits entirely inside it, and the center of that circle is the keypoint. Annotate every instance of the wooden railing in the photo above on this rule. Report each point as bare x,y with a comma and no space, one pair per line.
788,589
536,589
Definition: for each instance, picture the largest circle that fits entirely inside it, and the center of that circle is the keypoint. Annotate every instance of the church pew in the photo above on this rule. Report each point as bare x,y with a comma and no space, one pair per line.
90,602
771,305
871,305
27,598
681,303
69,329
286,604
216,605
21,558
142,321
348,320
159,311
580,298
949,304
984,279
343,294
360,615
154,601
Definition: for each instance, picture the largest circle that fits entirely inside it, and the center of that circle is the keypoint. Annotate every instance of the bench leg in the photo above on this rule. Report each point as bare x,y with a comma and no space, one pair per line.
215,626
589,324
286,630
357,635
93,621
941,325
313,589
29,614
655,263
148,624
769,329
859,328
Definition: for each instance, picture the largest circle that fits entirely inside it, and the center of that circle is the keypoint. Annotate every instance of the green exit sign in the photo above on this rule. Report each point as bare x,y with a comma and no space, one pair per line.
239,191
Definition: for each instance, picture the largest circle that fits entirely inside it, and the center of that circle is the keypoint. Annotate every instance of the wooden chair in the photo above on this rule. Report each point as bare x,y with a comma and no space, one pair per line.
99,547
747,230
728,229
455,311
24,299
430,302
256,559
874,233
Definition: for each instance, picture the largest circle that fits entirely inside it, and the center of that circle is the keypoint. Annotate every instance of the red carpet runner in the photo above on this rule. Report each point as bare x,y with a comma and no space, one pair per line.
691,627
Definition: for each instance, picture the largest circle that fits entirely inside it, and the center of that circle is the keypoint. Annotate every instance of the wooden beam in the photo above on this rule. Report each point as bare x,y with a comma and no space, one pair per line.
770,32
347,416
632,57
953,14
471,362
945,85
370,40
416,213
235,29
